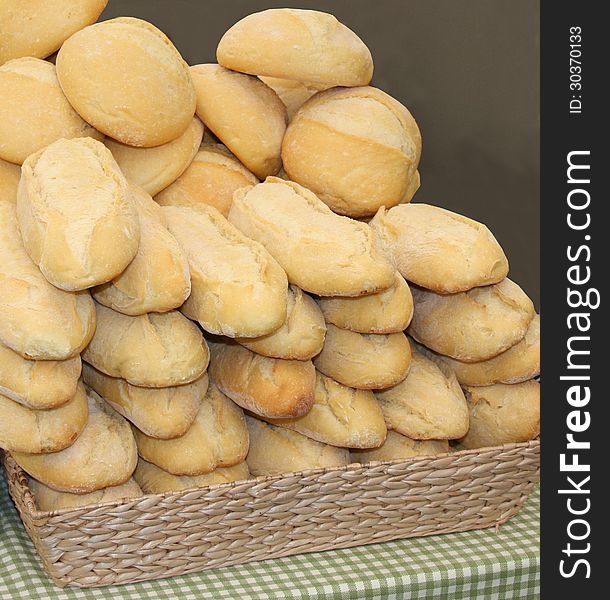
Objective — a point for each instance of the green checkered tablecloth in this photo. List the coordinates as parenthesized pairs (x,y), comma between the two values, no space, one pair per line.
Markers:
(486,564)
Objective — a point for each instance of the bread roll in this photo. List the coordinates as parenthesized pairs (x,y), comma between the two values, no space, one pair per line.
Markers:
(389,311)
(276,450)
(238,289)
(269,387)
(9,180)
(69,319)
(48,499)
(397,446)
(438,249)
(212,178)
(301,336)
(37,384)
(293,93)
(153,169)
(502,414)
(474,325)
(104,455)
(356,148)
(25,430)
(364,361)
(154,480)
(137,90)
(428,404)
(76,214)
(340,416)
(160,413)
(244,113)
(154,350)
(158,278)
(39,27)
(217,438)
(34,111)
(321,252)
(306,45)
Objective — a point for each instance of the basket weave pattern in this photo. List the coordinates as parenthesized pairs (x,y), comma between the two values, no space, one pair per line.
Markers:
(170,534)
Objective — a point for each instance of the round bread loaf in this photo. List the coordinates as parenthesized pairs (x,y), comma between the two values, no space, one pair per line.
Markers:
(397,446)
(9,180)
(34,111)
(438,249)
(153,169)
(212,178)
(104,455)
(34,431)
(364,361)
(293,93)
(472,326)
(76,214)
(244,113)
(306,45)
(356,148)
(137,90)
(154,350)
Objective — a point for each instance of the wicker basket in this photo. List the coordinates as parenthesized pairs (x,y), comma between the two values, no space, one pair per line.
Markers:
(181,532)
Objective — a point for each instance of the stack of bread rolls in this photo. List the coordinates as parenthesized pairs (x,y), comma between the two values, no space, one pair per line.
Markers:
(215,272)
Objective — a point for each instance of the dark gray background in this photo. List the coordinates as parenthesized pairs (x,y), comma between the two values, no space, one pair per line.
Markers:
(469,72)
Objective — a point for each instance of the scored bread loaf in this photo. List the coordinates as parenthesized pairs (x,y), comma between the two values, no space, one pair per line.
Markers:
(301,336)
(472,326)
(23,429)
(275,450)
(217,438)
(293,93)
(69,319)
(76,214)
(154,350)
(158,412)
(400,446)
(438,249)
(362,360)
(9,181)
(269,387)
(320,251)
(238,289)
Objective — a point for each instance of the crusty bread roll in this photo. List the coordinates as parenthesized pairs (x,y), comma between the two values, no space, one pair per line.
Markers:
(76,214)
(39,27)
(238,289)
(306,45)
(269,387)
(154,350)
(153,169)
(301,336)
(37,384)
(356,148)
(137,90)
(389,311)
(69,319)
(25,430)
(212,178)
(244,113)
(217,438)
(293,93)
(48,499)
(158,278)
(275,450)
(364,361)
(428,404)
(502,414)
(438,249)
(104,455)
(154,480)
(340,416)
(472,326)
(400,446)
(34,111)
(9,180)
(321,252)
(162,413)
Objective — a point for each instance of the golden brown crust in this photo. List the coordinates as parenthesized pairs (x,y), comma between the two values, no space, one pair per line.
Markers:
(293,93)
(9,180)
(397,446)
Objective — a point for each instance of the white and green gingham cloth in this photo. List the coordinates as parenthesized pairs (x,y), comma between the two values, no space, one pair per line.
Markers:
(486,564)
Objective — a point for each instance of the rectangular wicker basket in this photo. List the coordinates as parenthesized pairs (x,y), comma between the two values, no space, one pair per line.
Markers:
(159,536)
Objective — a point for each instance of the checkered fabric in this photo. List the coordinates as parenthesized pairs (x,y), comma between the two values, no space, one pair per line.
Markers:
(486,564)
